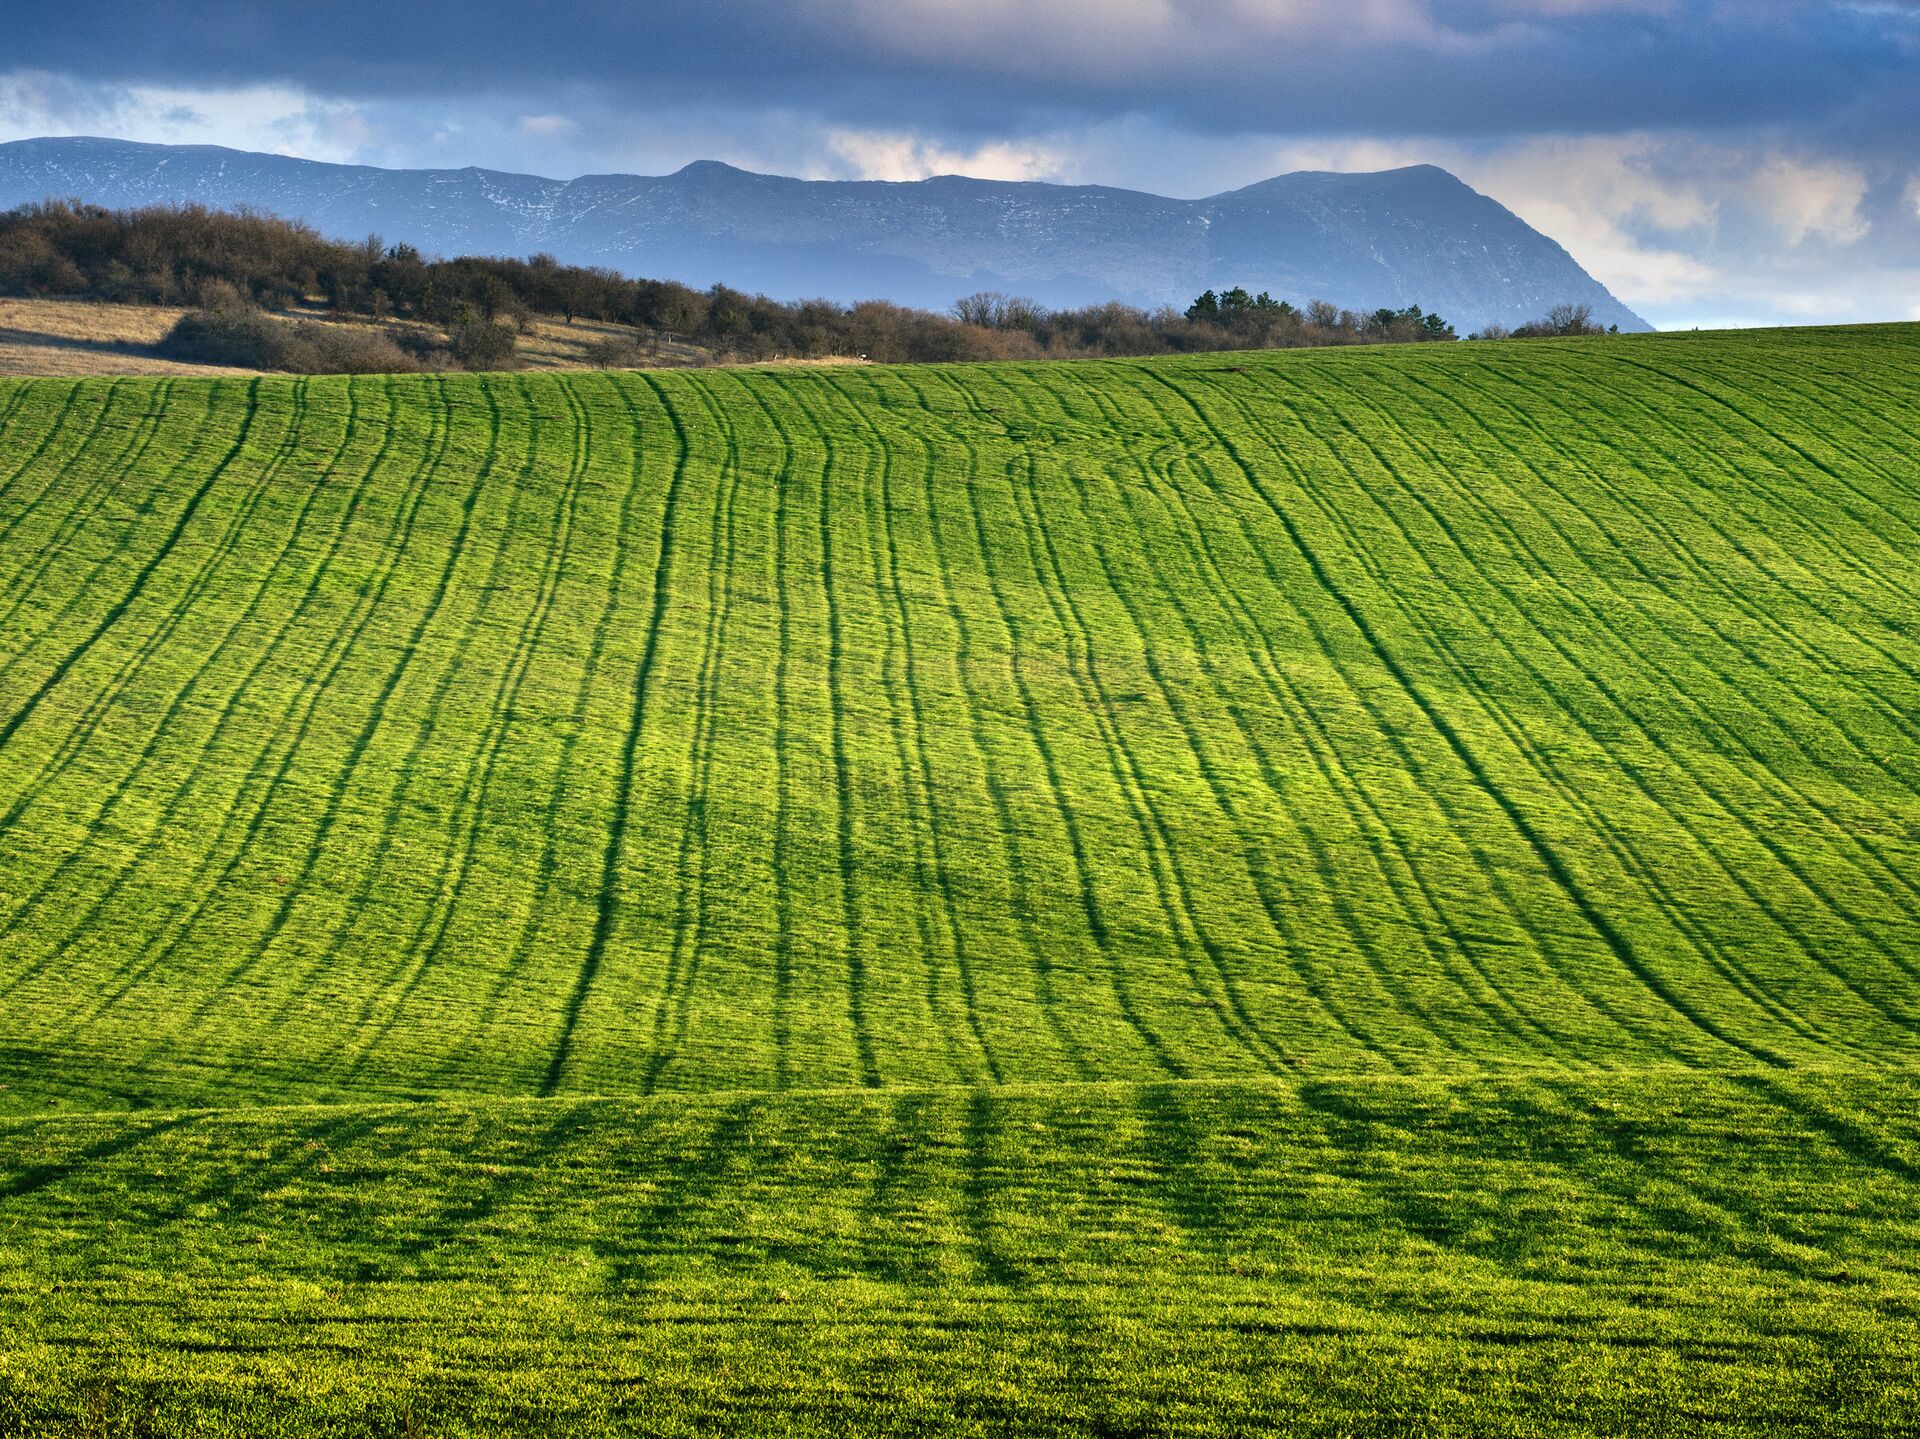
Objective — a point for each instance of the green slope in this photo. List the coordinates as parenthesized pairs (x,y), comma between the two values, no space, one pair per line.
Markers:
(1607,1255)
(1523,730)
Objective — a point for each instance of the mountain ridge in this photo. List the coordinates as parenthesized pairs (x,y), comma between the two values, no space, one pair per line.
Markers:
(1413,235)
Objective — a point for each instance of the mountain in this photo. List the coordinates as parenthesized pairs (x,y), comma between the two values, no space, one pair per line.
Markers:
(1398,237)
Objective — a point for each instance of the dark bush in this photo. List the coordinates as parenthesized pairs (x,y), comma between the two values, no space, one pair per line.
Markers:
(234,334)
(478,344)
(621,353)
(1561,320)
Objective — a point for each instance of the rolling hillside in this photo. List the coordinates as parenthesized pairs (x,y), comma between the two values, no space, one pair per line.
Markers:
(1372,890)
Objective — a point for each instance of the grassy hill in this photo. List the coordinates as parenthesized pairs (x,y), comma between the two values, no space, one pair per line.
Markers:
(1371,890)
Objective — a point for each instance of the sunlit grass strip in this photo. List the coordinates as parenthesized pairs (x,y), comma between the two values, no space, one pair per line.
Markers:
(1534,707)
(1591,1254)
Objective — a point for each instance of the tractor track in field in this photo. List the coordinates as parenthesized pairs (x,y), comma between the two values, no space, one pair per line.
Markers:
(1536,709)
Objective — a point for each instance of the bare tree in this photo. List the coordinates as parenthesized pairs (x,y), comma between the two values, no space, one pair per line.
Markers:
(991,310)
(1570,319)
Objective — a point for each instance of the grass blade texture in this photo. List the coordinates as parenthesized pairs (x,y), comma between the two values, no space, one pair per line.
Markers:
(1371,891)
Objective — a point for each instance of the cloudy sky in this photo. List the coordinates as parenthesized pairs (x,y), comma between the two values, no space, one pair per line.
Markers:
(1713,161)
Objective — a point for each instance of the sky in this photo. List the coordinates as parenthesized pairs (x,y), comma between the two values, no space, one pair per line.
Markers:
(1714,162)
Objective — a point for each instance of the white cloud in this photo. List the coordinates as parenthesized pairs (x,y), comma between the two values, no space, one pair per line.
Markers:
(1597,195)
(884,155)
(34,101)
(1806,199)
(273,118)
(1349,154)
(1618,179)
(1607,200)
(547,126)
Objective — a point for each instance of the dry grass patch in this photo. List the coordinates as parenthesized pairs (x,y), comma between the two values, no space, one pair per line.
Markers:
(89,337)
(85,337)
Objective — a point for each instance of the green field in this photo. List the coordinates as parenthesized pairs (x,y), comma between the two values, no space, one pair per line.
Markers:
(1353,892)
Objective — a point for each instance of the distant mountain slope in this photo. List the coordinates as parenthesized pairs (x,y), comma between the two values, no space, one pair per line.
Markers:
(1398,237)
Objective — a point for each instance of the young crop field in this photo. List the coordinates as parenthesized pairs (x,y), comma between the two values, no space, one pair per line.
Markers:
(1367,891)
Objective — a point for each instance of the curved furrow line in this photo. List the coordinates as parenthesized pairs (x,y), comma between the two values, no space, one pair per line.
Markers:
(907,741)
(21,586)
(932,867)
(1678,552)
(1171,884)
(934,950)
(447,674)
(783,905)
(1158,481)
(614,856)
(1383,842)
(1853,394)
(105,696)
(196,682)
(1730,968)
(1383,839)
(424,946)
(17,391)
(1234,824)
(1681,816)
(30,461)
(1803,594)
(301,873)
(171,810)
(849,859)
(1894,586)
(343,638)
(1617,940)
(448,670)
(1887,401)
(1347,782)
(1910,524)
(673,1013)
(995,785)
(1840,406)
(1764,773)
(1730,809)
(98,488)
(1501,1010)
(784,807)
(904,727)
(1172,895)
(1090,905)
(843,786)
(11,726)
(815,864)
(547,870)
(130,533)
(1815,418)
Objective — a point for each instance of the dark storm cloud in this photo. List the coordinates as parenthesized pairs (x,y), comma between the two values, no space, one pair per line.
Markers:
(1468,67)
(1714,161)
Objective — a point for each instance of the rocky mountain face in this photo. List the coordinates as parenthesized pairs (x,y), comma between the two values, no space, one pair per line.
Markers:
(1398,237)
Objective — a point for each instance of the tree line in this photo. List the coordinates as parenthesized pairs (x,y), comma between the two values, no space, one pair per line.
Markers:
(230,263)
